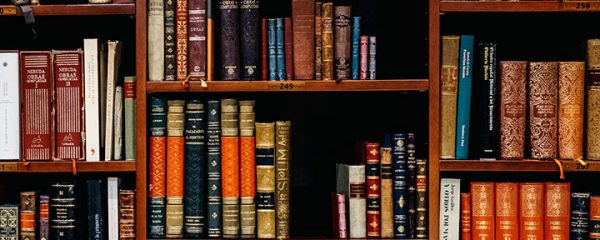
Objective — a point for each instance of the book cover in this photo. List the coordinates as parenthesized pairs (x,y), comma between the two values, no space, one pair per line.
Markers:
(571,82)
(63,208)
(411,184)
(210,38)
(513,95)
(264,48)
(289,48)
(463,109)
(343,42)
(112,77)
(482,210)
(170,41)
(230,40)
(195,169)
(247,169)
(580,216)
(449,208)
(465,216)
(230,167)
(373,190)
(272,42)
(44,219)
(557,211)
(449,90)
(318,40)
(327,39)
(594,217)
(592,147)
(531,211)
(181,36)
(372,57)
(350,181)
(91,85)
(213,131)
(9,221)
(400,185)
(487,79)
(156,42)
(130,119)
(265,180)
(543,100)
(250,38)
(157,167)
(303,15)
(507,211)
(10,146)
(95,210)
(118,124)
(338,210)
(280,48)
(364,58)
(175,168)
(422,199)
(282,169)
(127,214)
(113,184)
(355,47)
(197,34)
(387,198)
(28,215)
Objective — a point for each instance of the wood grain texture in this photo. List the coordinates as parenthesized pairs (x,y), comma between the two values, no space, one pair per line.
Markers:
(506,6)
(82,9)
(141,161)
(524,165)
(434,118)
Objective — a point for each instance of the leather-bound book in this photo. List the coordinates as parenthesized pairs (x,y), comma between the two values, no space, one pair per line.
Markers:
(230,167)
(580,216)
(230,39)
(68,97)
(557,211)
(9,86)
(181,32)
(327,49)
(513,95)
(95,210)
(280,48)
(373,190)
(170,41)
(265,180)
(482,210)
(197,39)
(9,216)
(63,205)
(289,48)
(399,183)
(488,100)
(213,132)
(350,181)
(282,169)
(250,38)
(303,14)
(264,49)
(570,109)
(44,219)
(36,105)
(156,40)
(531,211)
(422,202)
(372,57)
(195,169)
(272,42)
(28,215)
(157,171)
(411,184)
(465,216)
(175,168)
(387,199)
(543,100)
(355,47)
(507,211)
(127,214)
(247,169)
(338,210)
(595,217)
(210,40)
(593,100)
(318,40)
(343,42)
(364,58)
(449,91)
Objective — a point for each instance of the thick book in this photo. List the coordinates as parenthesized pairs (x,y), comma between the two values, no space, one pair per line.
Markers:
(195,169)
(112,76)
(487,82)
(282,170)
(422,199)
(482,210)
(230,39)
(338,211)
(411,184)
(449,90)
(181,36)
(265,180)
(465,216)
(288,38)
(580,216)
(450,208)
(197,31)
(355,47)
(130,119)
(213,145)
(44,219)
(9,222)
(557,210)
(543,100)
(350,181)
(507,211)
(63,205)
(364,58)
(373,190)
(170,41)
(531,211)
(513,96)
(68,95)
(372,57)
(247,170)
(9,106)
(272,39)
(343,44)
(594,217)
(400,185)
(157,167)
(95,210)
(91,75)
(387,198)
(280,48)
(318,40)
(571,84)
(113,184)
(250,39)
(28,216)
(327,41)
(230,167)
(118,124)
(592,147)
(264,64)
(156,41)
(463,109)
(303,15)
(36,105)
(127,214)
(175,168)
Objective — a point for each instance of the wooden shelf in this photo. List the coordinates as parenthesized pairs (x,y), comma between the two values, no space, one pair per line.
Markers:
(72,10)
(67,166)
(290,86)
(523,6)
(526,165)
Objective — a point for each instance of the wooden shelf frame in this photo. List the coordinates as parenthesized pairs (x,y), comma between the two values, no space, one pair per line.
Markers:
(525,165)
(521,6)
(67,166)
(75,9)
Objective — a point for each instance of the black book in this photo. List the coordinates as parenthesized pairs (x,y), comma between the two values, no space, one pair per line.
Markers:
(195,169)
(63,211)
(230,40)
(95,210)
(250,39)
(213,130)
(486,97)
(580,216)
(411,180)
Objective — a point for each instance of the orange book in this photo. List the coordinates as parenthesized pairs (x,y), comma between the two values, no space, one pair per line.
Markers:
(531,211)
(594,217)
(175,166)
(230,167)
(482,210)
(465,216)
(157,166)
(507,211)
(557,221)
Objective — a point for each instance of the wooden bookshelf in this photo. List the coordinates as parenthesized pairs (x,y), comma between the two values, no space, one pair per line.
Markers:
(72,10)
(525,165)
(67,166)
(520,6)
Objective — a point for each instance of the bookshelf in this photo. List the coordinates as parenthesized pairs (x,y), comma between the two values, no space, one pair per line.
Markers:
(524,6)
(72,10)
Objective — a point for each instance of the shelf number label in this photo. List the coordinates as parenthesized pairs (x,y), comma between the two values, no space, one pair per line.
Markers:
(581,6)
(8,10)
(287,86)
(582,167)
(8,167)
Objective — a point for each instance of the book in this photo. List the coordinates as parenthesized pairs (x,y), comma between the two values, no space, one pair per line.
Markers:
(28,215)
(118,124)
(448,100)
(343,44)
(592,147)
(63,207)
(411,184)
(557,210)
(210,36)
(463,109)
(531,211)
(280,48)
(10,146)
(156,42)
(465,216)
(68,95)
(195,169)
(197,34)
(594,217)
(9,219)
(422,202)
(373,189)
(157,167)
(95,210)
(387,199)
(303,15)
(230,41)
(170,40)
(265,180)
(247,170)
(571,81)
(372,57)
(250,38)
(482,210)
(272,39)
(44,220)
(400,198)
(282,170)
(449,208)
(181,36)
(175,168)
(114,59)
(230,167)
(339,215)
(507,210)
(487,79)
(103,53)
(355,47)
(91,68)
(327,41)
(213,134)
(351,183)
(318,40)
(580,216)
(513,95)
(127,214)
(543,100)
(364,58)
(288,47)
(113,184)
(130,117)
(264,49)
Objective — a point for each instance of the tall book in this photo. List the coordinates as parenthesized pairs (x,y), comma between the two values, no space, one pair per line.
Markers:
(195,169)
(543,100)
(36,105)
(118,124)
(282,169)
(175,168)
(592,147)
(28,215)
(265,180)
(250,39)
(463,111)
(507,211)
(9,222)
(594,217)
(351,182)
(482,210)
(280,48)
(272,39)
(113,184)
(213,134)
(197,35)
(318,40)
(129,113)
(63,205)
(400,197)
(580,216)
(170,41)
(487,79)
(355,47)
(44,219)
(95,210)
(364,58)
(230,167)
(9,106)
(210,38)
(181,36)
(411,184)
(157,171)
(247,170)
(327,41)
(68,95)
(449,208)
(557,211)
(343,42)
(373,189)
(156,41)
(338,210)
(422,202)
(372,57)
(449,90)
(127,214)
(465,216)
(531,211)
(303,15)
(571,81)
(288,37)
(230,40)
(264,48)
(91,75)
(513,94)
(387,199)
(114,61)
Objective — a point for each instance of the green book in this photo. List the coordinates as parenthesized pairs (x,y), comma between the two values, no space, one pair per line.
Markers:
(129,85)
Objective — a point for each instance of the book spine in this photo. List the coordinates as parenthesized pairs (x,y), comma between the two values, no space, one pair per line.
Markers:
(531,211)
(197,39)
(111,81)
(247,170)
(36,105)
(355,47)
(210,36)
(289,48)
(449,90)
(580,216)
(543,86)
(112,195)
(488,105)
(482,210)
(264,49)
(571,83)
(507,211)
(127,214)
(411,184)
(250,38)
(465,78)
(69,100)
(272,49)
(422,196)
(513,95)
(387,200)
(373,190)
(9,86)
(44,219)
(230,168)
(465,216)
(327,48)
(557,211)
(62,211)
(156,42)
(181,17)
(343,45)
(593,99)
(357,202)
(130,119)
(318,40)
(282,168)
(339,215)
(265,180)
(195,170)
(175,168)
(280,48)
(9,215)
(157,172)
(213,130)
(364,57)
(27,215)
(372,57)
(449,208)
(303,14)
(594,217)
(95,210)
(92,97)
(118,124)
(400,197)
(230,40)
(170,41)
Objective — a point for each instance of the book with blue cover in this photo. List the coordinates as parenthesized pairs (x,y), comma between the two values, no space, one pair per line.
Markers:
(271,39)
(400,185)
(463,112)
(355,47)
(280,48)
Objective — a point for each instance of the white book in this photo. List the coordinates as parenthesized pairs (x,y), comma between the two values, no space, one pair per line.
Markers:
(156,40)
(118,143)
(348,175)
(114,55)
(9,106)
(113,207)
(92,99)
(449,208)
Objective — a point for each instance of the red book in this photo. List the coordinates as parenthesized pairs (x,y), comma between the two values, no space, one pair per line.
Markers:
(289,49)
(557,217)
(507,211)
(373,190)
(465,216)
(263,41)
(197,39)
(36,105)
(181,16)
(338,207)
(482,210)
(364,57)
(69,100)
(531,211)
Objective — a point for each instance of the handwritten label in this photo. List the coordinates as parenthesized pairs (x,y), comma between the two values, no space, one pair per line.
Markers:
(287,85)
(8,167)
(581,6)
(8,10)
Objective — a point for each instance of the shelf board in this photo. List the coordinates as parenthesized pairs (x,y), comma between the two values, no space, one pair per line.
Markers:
(72,10)
(290,86)
(66,166)
(519,6)
(526,165)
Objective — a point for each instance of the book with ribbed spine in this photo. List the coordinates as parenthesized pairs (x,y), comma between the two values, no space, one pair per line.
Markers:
(175,168)
(373,189)
(95,210)
(465,216)
(265,180)
(247,170)
(364,58)
(9,222)
(372,57)
(571,84)
(44,219)
(449,90)
(272,39)
(355,47)
(507,210)
(280,48)
(400,198)
(463,111)
(411,184)
(328,38)
(482,210)
(318,40)
(557,210)
(303,14)
(513,95)
(129,101)
(10,106)
(63,204)
(387,200)
(170,41)
(449,208)
(580,216)
(422,202)
(195,170)
(230,39)
(531,211)
(157,171)
(213,132)
(181,33)
(250,39)
(594,217)
(230,167)
(282,169)
(343,42)
(288,47)
(28,215)
(68,95)
(592,147)
(156,40)
(350,181)
(127,214)
(488,100)
(197,34)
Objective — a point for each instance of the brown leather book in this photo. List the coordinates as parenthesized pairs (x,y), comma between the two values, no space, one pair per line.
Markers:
(465,216)
(571,77)
(449,84)
(28,215)
(557,214)
(181,16)
(289,48)
(594,217)
(197,39)
(543,100)
(593,100)
(513,96)
(303,14)
(531,211)
(175,168)
(327,53)
(282,169)
(265,180)
(507,211)
(318,40)
(343,42)
(387,199)
(482,210)
(127,214)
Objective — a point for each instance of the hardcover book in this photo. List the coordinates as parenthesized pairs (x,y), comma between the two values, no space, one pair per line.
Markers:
(488,101)
(463,112)
(372,57)
(507,211)
(465,216)
(130,119)
(112,76)
(351,183)
(364,57)
(411,184)
(449,85)
(327,49)
(112,195)
(373,190)
(197,32)
(318,40)
(10,146)
(272,39)
(44,219)
(580,216)
(264,49)
(127,214)
(157,165)
(303,15)
(400,185)
(571,79)
(339,215)
(280,48)
(28,215)
(482,210)
(210,38)
(230,167)
(213,131)
(594,217)
(170,41)
(343,42)
(63,205)
(195,169)
(230,40)
(593,100)
(175,169)
(449,208)
(289,47)
(557,211)
(91,57)
(9,222)
(156,41)
(531,211)
(95,210)
(265,180)
(118,124)
(543,100)
(422,202)
(282,169)
(513,80)
(247,169)
(250,38)
(181,33)
(387,200)
(355,47)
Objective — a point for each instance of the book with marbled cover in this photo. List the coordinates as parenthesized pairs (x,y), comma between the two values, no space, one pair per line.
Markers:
(373,189)
(399,183)
(265,180)
(557,211)
(580,216)
(465,216)
(230,167)
(593,100)
(157,171)
(571,80)
(195,170)
(282,169)
(175,168)
(543,100)
(513,95)
(213,131)
(531,211)
(482,210)
(247,170)
(230,39)
(250,39)
(507,211)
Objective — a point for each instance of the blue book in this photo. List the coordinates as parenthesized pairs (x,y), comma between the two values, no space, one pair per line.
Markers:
(399,183)
(213,130)
(272,49)
(158,128)
(280,47)
(355,48)
(195,169)
(463,111)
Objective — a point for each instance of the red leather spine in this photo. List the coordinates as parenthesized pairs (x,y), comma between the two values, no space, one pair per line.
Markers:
(197,39)
(507,211)
(373,190)
(69,100)
(264,49)
(482,210)
(557,217)
(339,215)
(364,57)
(289,48)
(531,211)
(465,216)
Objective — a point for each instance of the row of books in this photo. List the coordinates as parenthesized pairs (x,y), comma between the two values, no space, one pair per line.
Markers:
(213,171)
(386,195)
(59,105)
(550,95)
(110,213)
